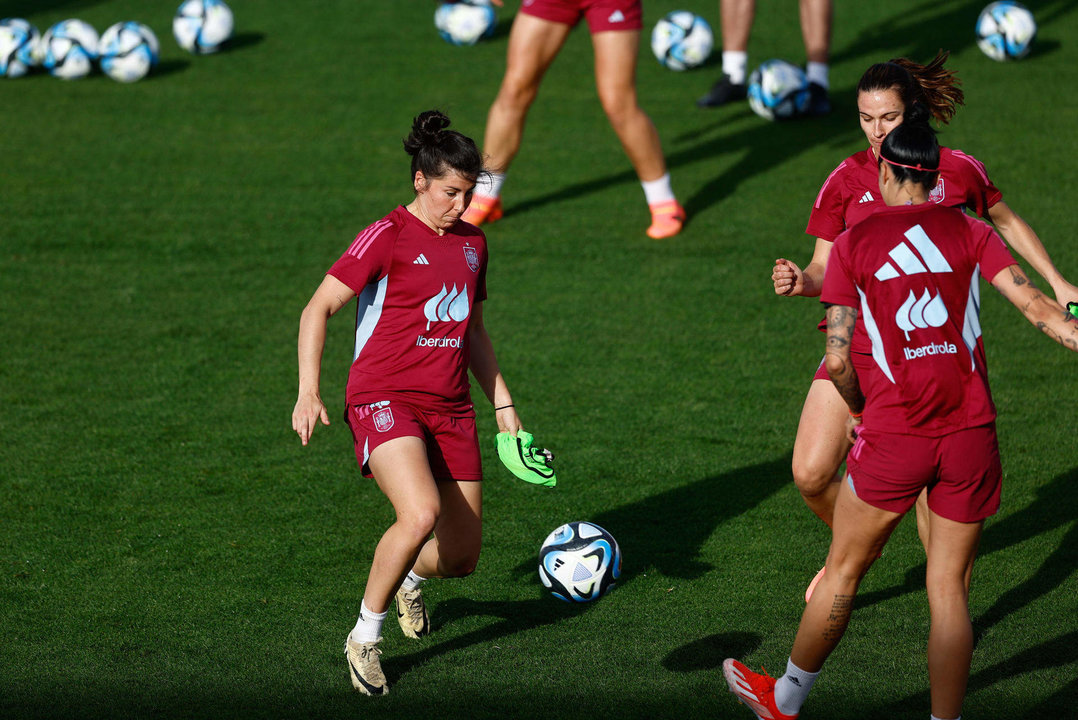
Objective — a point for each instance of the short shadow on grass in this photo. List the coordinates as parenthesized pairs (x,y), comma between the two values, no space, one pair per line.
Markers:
(21,8)
(168,67)
(1057,652)
(708,653)
(242,41)
(644,534)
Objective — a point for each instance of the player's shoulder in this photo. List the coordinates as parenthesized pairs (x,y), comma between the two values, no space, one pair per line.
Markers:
(961,161)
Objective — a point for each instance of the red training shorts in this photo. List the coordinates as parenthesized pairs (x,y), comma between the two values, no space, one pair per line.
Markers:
(452,442)
(961,471)
(601,15)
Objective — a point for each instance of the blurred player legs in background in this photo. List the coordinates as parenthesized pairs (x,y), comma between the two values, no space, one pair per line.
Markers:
(737,17)
(538,34)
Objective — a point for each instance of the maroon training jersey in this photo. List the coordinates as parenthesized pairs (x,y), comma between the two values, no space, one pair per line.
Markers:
(852,191)
(912,271)
(415,293)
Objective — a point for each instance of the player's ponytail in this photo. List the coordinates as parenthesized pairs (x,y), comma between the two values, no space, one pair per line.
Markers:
(436,151)
(932,85)
(912,151)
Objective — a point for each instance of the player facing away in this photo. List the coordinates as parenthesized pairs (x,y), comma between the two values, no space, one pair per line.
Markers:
(886,93)
(420,278)
(737,17)
(538,33)
(923,420)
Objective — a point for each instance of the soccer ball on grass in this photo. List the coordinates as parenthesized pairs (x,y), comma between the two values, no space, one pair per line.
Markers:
(69,49)
(778,90)
(682,40)
(465,22)
(18,47)
(128,51)
(202,26)
(579,562)
(1006,30)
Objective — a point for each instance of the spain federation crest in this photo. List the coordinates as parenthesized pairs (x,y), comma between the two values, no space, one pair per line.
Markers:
(471,256)
(383,419)
(938,193)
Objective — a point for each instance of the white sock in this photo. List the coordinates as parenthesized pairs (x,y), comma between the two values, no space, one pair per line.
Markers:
(412,581)
(936,718)
(817,73)
(489,184)
(735,64)
(792,688)
(657,191)
(369,626)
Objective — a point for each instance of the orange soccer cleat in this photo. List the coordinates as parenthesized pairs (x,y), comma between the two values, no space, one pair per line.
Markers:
(755,690)
(667,219)
(483,209)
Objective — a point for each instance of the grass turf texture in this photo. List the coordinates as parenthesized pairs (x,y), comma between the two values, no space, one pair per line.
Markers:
(168,550)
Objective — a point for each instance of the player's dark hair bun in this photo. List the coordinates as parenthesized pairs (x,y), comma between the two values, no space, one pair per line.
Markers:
(918,114)
(436,150)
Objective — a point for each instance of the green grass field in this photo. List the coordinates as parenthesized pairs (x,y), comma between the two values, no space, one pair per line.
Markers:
(167,548)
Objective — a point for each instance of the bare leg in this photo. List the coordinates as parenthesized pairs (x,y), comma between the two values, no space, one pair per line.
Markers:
(820,448)
(737,17)
(952,548)
(615,79)
(815,29)
(860,532)
(924,531)
(533,45)
(402,471)
(454,549)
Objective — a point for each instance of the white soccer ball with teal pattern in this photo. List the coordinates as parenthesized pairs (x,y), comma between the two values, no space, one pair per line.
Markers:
(18,47)
(69,49)
(579,562)
(465,22)
(682,40)
(1006,30)
(128,51)
(202,26)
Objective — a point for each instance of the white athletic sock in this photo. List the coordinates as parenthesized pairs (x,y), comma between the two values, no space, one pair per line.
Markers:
(369,626)
(936,718)
(657,191)
(792,688)
(489,184)
(817,73)
(412,581)
(735,64)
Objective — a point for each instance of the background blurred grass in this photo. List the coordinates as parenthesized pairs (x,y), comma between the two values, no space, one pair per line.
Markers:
(167,548)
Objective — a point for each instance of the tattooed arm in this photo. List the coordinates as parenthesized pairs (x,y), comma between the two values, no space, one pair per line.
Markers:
(840,322)
(1045,314)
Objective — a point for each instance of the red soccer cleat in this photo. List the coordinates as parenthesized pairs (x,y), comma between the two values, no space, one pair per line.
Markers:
(667,219)
(754,690)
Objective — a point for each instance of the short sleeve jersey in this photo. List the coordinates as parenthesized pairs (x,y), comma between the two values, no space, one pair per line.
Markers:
(913,272)
(415,293)
(852,191)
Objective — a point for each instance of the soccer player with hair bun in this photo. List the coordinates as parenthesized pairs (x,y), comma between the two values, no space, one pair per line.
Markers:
(924,423)
(888,94)
(419,275)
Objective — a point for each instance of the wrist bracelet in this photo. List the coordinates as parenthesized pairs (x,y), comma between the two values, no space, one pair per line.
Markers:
(503,407)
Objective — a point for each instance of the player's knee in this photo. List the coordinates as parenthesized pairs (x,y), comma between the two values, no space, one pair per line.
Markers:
(516,95)
(461,565)
(812,477)
(419,522)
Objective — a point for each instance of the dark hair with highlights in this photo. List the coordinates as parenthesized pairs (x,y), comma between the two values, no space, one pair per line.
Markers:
(437,151)
(913,143)
(932,86)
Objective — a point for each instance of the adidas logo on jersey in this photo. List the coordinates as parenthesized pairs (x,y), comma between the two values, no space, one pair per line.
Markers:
(421,260)
(908,262)
(867,197)
(616,17)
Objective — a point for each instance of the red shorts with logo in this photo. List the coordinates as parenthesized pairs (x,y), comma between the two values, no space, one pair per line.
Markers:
(601,15)
(961,471)
(452,441)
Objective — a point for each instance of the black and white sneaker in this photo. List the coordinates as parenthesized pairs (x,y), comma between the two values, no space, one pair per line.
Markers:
(722,92)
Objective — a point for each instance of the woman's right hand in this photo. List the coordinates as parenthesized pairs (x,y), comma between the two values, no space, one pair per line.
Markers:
(308,411)
(787,277)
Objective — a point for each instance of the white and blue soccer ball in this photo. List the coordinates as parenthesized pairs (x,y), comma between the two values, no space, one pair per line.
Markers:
(202,26)
(69,48)
(778,90)
(465,22)
(18,47)
(1006,30)
(128,51)
(579,562)
(682,40)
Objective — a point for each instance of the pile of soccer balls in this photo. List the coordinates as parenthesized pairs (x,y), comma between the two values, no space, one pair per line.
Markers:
(126,51)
